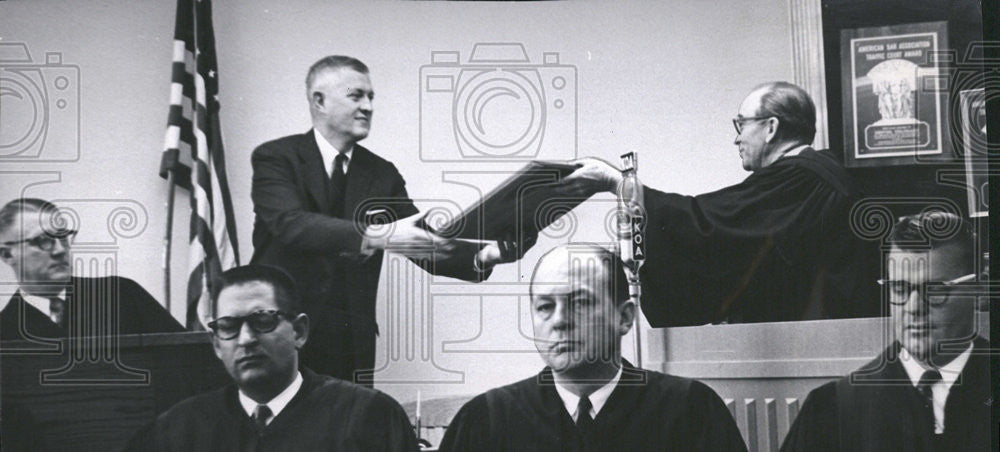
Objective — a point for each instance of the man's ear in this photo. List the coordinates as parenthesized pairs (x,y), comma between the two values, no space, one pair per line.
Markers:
(772,128)
(216,346)
(6,255)
(301,327)
(626,317)
(316,100)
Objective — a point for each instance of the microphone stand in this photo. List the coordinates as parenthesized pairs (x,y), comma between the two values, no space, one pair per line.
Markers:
(631,239)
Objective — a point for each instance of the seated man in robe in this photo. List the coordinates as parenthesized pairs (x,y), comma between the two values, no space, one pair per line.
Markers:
(49,301)
(588,398)
(930,389)
(273,405)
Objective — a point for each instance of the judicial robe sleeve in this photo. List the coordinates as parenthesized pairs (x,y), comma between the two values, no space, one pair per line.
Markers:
(759,240)
(469,429)
(816,427)
(394,432)
(139,312)
(710,426)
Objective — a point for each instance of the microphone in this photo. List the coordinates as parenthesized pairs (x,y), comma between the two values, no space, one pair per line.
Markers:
(632,237)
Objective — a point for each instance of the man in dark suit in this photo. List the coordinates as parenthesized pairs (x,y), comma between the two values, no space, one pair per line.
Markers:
(50,302)
(588,398)
(776,247)
(326,209)
(930,389)
(274,404)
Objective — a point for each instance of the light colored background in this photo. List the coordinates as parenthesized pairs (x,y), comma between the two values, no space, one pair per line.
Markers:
(659,78)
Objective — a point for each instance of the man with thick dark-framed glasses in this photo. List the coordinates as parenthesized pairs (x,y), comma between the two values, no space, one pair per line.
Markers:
(930,389)
(49,300)
(777,246)
(274,404)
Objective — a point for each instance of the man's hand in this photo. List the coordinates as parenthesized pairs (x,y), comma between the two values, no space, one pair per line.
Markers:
(407,238)
(593,176)
(502,252)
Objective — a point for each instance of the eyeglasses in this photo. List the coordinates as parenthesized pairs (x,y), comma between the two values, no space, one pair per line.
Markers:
(46,241)
(938,292)
(260,322)
(738,122)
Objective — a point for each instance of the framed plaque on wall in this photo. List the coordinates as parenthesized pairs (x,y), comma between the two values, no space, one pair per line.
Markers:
(973,105)
(894,92)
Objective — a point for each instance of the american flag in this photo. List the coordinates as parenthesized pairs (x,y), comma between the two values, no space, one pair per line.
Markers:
(193,125)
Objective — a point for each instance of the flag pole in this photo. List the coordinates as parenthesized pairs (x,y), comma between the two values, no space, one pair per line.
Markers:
(168,165)
(168,239)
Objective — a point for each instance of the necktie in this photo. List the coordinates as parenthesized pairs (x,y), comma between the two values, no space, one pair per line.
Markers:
(338,183)
(927,380)
(57,311)
(583,420)
(261,415)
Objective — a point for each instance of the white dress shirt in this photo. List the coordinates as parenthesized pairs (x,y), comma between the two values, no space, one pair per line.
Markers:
(328,152)
(278,403)
(41,303)
(597,398)
(795,151)
(949,373)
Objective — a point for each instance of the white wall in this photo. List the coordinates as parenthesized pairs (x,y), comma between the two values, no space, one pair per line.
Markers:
(659,78)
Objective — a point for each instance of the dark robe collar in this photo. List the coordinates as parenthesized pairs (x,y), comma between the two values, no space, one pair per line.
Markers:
(626,393)
(310,381)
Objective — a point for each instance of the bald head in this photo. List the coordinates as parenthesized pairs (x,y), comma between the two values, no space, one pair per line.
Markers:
(792,106)
(773,119)
(584,260)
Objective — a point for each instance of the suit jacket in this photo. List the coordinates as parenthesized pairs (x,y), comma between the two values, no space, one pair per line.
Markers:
(138,311)
(882,411)
(646,411)
(325,414)
(296,229)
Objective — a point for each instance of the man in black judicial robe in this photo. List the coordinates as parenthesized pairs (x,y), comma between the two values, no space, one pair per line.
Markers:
(49,300)
(274,404)
(930,389)
(588,398)
(776,247)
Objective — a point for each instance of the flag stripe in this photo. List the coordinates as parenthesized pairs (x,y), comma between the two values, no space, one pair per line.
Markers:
(193,124)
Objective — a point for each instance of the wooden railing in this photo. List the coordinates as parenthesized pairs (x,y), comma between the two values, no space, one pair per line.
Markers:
(80,401)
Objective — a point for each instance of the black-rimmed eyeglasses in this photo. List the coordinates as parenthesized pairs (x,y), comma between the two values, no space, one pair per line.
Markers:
(260,322)
(738,122)
(936,292)
(46,241)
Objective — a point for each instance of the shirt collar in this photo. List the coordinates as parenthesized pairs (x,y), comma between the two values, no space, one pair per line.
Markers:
(328,152)
(597,398)
(40,303)
(949,372)
(794,151)
(278,403)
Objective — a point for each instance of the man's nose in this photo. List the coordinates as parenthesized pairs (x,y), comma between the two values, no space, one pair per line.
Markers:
(59,246)
(916,301)
(247,335)
(366,103)
(561,316)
